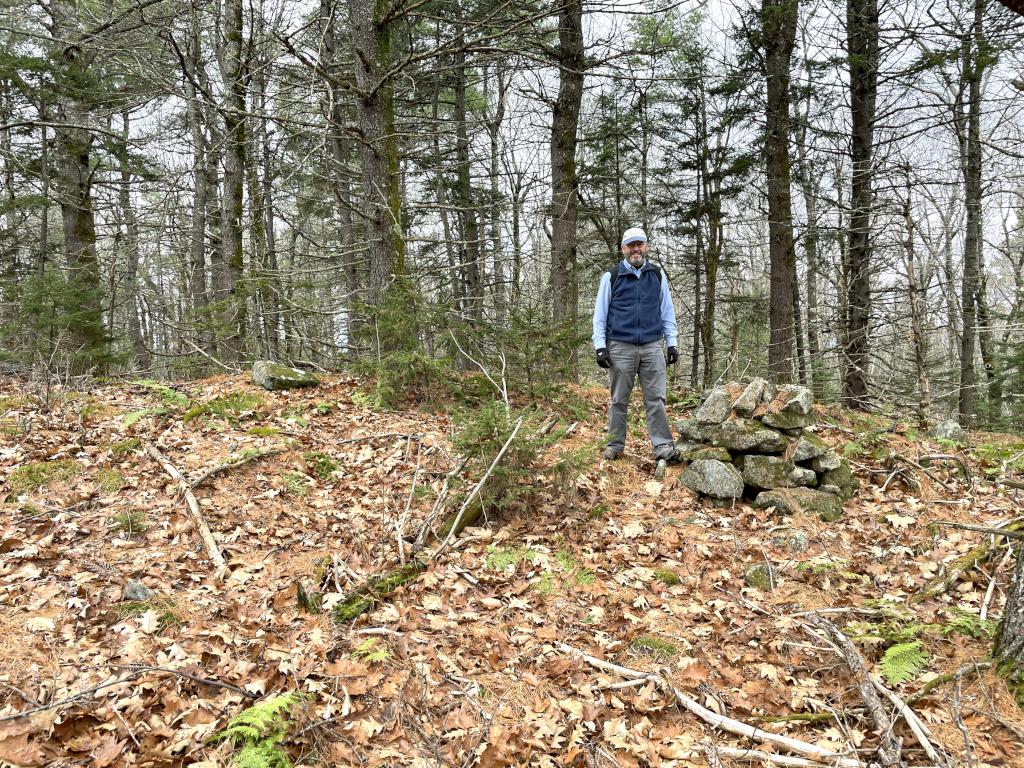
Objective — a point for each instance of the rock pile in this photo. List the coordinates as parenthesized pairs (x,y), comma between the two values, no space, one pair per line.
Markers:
(751,440)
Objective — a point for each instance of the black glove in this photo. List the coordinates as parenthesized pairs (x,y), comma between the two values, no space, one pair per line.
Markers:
(602,358)
(673,355)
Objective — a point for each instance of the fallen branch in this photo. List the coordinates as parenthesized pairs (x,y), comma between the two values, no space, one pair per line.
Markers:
(193,506)
(960,566)
(232,465)
(889,745)
(918,728)
(1007,532)
(721,722)
(935,682)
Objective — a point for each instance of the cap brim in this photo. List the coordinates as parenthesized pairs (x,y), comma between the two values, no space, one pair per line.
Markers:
(634,240)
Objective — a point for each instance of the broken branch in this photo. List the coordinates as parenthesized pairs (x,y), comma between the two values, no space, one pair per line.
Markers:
(193,506)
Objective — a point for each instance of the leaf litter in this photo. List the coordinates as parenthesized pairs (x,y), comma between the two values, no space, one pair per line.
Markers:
(464,667)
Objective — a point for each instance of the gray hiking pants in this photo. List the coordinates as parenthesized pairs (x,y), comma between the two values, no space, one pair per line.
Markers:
(647,360)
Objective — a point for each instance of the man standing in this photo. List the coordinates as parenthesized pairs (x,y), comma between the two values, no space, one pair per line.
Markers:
(632,314)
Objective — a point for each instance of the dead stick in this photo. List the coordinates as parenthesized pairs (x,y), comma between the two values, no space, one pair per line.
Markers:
(193,506)
(889,746)
(716,720)
(1008,533)
(919,729)
(231,465)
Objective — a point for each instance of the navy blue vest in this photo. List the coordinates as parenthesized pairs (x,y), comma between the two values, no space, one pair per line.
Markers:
(634,308)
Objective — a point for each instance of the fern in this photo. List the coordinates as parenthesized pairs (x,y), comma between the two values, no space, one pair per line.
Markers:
(257,731)
(968,624)
(370,653)
(903,661)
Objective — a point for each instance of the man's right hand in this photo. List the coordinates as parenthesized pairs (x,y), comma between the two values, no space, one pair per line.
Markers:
(603,359)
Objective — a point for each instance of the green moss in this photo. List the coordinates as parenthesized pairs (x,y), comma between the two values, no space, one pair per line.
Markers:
(546,584)
(296,483)
(230,407)
(500,559)
(32,477)
(654,646)
(11,403)
(264,431)
(323,409)
(320,464)
(376,589)
(127,447)
(132,522)
(667,577)
(598,512)
(166,395)
(167,618)
(110,480)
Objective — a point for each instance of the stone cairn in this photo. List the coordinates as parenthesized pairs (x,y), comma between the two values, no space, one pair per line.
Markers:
(749,440)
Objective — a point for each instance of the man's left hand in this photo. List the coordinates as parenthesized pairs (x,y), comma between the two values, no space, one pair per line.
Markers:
(673,355)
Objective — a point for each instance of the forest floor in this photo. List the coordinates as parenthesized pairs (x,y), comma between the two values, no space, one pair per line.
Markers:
(475,661)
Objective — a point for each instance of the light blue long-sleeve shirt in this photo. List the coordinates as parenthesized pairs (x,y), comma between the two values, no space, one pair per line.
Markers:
(668,312)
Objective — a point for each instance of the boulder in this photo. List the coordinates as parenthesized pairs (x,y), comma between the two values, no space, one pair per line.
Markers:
(750,398)
(715,408)
(692,432)
(275,377)
(136,591)
(949,430)
(835,490)
(713,478)
(794,501)
(765,472)
(702,453)
(792,539)
(787,420)
(803,477)
(747,435)
(826,461)
(808,447)
(842,477)
(796,399)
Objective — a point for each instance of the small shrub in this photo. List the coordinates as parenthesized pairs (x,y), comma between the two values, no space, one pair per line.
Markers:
(32,477)
(110,480)
(127,447)
(258,731)
(320,464)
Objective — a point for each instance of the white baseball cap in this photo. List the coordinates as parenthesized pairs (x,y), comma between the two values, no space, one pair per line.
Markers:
(634,235)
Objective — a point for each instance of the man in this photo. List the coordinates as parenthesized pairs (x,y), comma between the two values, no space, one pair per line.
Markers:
(632,314)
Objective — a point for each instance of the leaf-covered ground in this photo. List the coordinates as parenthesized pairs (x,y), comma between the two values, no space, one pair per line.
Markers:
(466,665)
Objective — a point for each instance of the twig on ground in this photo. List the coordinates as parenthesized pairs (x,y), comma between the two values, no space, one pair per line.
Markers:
(935,682)
(193,506)
(926,471)
(918,728)
(954,710)
(379,436)
(889,745)
(714,719)
(453,531)
(990,591)
(1008,533)
(442,498)
(404,519)
(711,754)
(232,465)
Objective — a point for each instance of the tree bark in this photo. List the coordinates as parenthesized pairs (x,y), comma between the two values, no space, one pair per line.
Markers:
(230,293)
(862,52)
(973,69)
(378,150)
(466,208)
(564,182)
(131,250)
(779,35)
(1008,651)
(917,336)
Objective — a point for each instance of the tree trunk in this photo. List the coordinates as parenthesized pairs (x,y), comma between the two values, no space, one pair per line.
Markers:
(378,149)
(131,250)
(917,336)
(230,292)
(500,290)
(466,209)
(779,34)
(973,68)
(72,115)
(862,42)
(1008,651)
(564,182)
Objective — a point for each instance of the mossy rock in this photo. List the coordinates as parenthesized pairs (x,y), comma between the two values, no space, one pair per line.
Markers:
(808,447)
(787,420)
(795,501)
(766,471)
(700,454)
(275,377)
(843,478)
